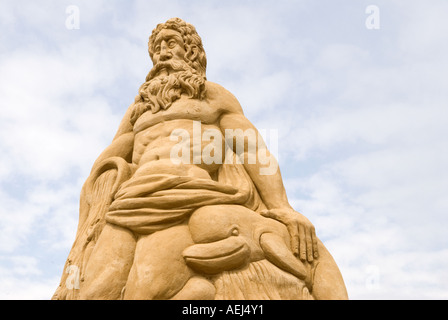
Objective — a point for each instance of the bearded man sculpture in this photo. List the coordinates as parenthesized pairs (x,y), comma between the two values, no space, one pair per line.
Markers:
(156,226)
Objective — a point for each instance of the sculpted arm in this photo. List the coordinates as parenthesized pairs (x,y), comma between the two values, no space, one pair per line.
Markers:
(266,176)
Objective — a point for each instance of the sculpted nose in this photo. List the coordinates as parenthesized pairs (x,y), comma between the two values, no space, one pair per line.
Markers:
(165,53)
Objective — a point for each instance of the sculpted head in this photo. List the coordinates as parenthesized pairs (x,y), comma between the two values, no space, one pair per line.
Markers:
(179,64)
(187,38)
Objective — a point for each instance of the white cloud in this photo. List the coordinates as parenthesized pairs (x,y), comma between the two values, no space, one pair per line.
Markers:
(21,279)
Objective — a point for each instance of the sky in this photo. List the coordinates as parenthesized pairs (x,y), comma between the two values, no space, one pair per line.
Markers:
(356,94)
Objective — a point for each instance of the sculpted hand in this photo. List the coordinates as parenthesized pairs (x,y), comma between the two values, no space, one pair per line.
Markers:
(301,230)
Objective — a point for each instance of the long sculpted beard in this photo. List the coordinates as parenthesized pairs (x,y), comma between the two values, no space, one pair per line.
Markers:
(160,89)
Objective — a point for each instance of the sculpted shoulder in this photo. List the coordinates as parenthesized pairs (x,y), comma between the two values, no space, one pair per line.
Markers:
(222,98)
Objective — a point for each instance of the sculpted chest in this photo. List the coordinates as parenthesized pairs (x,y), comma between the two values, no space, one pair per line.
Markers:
(183,109)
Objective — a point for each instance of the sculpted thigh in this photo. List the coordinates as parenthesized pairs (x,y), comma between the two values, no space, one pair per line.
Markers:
(159,270)
(109,264)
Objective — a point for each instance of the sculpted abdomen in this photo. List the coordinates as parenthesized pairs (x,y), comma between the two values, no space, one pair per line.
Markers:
(185,142)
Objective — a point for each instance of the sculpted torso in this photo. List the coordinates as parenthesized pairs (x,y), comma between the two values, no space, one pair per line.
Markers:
(153,142)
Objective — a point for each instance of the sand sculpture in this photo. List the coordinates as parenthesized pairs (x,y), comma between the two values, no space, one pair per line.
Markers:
(180,205)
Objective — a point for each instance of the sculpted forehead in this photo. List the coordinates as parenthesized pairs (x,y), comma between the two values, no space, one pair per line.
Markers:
(165,34)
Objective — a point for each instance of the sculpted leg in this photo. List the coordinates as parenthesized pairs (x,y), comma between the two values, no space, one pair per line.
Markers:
(197,288)
(328,282)
(109,264)
(159,270)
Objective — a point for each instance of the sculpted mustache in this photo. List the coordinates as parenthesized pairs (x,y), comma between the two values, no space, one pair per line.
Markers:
(173,65)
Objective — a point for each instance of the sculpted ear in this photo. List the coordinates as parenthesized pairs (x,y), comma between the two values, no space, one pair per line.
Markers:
(193,53)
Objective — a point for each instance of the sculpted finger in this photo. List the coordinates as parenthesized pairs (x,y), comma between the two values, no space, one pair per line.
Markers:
(266,213)
(294,234)
(273,214)
(314,239)
(302,243)
(309,245)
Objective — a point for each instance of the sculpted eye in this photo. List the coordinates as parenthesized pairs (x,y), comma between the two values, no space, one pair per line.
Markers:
(172,44)
(157,49)
(235,232)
